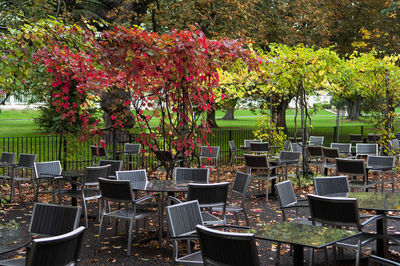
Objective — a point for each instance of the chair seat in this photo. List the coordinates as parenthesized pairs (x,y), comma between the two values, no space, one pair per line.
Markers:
(127,213)
(13,262)
(193,258)
(352,242)
(360,184)
(210,219)
(89,194)
(229,208)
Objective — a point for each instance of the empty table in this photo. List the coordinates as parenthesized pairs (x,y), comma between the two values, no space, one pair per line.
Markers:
(12,239)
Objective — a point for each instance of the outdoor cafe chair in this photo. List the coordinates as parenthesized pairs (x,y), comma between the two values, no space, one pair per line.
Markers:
(356,138)
(344,148)
(315,158)
(227,248)
(209,157)
(316,140)
(248,141)
(355,168)
(394,148)
(373,138)
(116,165)
(234,152)
(22,170)
(120,191)
(7,159)
(330,185)
(183,175)
(89,187)
(290,158)
(48,172)
(99,152)
(133,150)
(239,189)
(366,149)
(329,156)
(342,212)
(387,166)
(259,147)
(296,147)
(57,250)
(264,172)
(165,160)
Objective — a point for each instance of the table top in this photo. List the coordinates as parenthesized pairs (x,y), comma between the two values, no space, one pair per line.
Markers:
(374,201)
(66,174)
(160,186)
(302,234)
(11,239)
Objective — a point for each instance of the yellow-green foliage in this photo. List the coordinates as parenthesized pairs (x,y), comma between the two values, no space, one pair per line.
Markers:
(267,131)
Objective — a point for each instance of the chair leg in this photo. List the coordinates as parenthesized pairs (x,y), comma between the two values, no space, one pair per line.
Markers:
(130,237)
(236,218)
(245,217)
(267,191)
(278,254)
(326,256)
(12,190)
(311,253)
(358,253)
(86,212)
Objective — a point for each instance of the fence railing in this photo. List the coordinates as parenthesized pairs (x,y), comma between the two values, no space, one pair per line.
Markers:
(75,155)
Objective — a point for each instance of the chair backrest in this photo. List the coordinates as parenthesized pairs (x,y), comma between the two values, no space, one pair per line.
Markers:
(287,146)
(187,175)
(342,147)
(241,184)
(116,165)
(138,178)
(381,161)
(331,184)
(163,156)
(356,138)
(247,142)
(256,161)
(351,167)
(226,248)
(286,195)
(211,152)
(98,151)
(314,151)
(296,147)
(292,156)
(334,211)
(330,153)
(259,147)
(116,190)
(56,250)
(93,173)
(316,140)
(379,261)
(232,145)
(43,168)
(373,137)
(53,220)
(132,148)
(26,160)
(183,218)
(7,157)
(394,144)
(367,149)
(210,195)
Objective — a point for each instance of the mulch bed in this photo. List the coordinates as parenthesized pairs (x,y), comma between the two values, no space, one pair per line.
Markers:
(111,249)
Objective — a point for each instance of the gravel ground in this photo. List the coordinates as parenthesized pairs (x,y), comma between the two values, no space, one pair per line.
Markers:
(112,248)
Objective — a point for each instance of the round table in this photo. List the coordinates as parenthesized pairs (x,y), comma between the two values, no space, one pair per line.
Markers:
(12,239)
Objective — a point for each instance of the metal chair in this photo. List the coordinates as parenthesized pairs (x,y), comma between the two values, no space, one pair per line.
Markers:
(341,212)
(247,142)
(53,220)
(116,165)
(210,196)
(57,250)
(344,148)
(363,149)
(291,158)
(88,187)
(234,152)
(373,138)
(209,154)
(331,185)
(184,175)
(354,168)
(379,261)
(329,156)
(222,248)
(356,138)
(386,163)
(98,152)
(166,161)
(239,189)
(259,147)
(7,160)
(182,220)
(24,165)
(394,148)
(287,146)
(138,178)
(132,150)
(295,147)
(47,172)
(314,140)
(260,163)
(120,191)
(315,157)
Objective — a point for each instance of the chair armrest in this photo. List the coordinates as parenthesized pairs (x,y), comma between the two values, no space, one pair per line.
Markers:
(148,197)
(230,227)
(173,199)
(371,219)
(184,237)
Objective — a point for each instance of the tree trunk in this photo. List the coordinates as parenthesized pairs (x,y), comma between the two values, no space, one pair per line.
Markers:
(211,119)
(353,109)
(278,112)
(230,109)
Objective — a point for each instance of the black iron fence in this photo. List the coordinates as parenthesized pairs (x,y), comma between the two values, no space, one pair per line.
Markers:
(76,155)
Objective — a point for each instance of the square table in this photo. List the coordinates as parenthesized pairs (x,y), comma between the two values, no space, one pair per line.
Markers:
(302,235)
(381,203)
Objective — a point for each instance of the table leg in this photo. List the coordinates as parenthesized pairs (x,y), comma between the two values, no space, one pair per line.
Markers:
(74,201)
(298,255)
(161,219)
(382,241)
